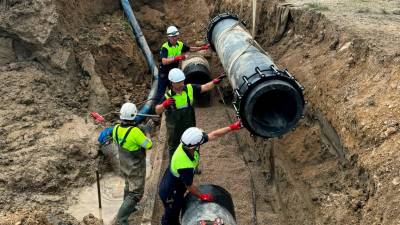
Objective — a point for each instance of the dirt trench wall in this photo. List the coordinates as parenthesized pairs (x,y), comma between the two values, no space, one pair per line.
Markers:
(327,171)
(61,59)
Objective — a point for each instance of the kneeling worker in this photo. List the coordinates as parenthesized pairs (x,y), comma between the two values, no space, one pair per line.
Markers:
(179,175)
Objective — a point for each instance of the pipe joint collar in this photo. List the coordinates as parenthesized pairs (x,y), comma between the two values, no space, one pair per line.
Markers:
(214,21)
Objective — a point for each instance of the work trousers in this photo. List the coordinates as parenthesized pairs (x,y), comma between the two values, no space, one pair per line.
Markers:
(172,197)
(163,83)
(177,121)
(133,169)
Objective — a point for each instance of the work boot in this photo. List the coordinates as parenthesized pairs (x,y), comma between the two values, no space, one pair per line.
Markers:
(127,208)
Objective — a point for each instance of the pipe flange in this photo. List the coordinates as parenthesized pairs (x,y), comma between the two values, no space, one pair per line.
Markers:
(214,21)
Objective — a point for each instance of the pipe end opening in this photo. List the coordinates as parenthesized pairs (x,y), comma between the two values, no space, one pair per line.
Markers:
(273,108)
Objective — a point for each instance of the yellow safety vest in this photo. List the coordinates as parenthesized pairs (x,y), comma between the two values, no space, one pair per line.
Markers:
(173,50)
(180,160)
(184,99)
(130,138)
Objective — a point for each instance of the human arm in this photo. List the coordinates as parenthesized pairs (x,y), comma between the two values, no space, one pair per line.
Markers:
(210,85)
(165,60)
(202,196)
(141,139)
(195,48)
(194,190)
(165,104)
(222,131)
(186,175)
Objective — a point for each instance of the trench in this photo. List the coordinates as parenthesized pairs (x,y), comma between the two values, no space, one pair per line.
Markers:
(308,176)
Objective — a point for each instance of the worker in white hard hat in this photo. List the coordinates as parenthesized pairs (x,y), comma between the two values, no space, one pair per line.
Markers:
(178,177)
(132,145)
(178,106)
(171,53)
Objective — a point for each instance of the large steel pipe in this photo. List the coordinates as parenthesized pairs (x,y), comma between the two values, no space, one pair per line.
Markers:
(269,101)
(220,211)
(197,71)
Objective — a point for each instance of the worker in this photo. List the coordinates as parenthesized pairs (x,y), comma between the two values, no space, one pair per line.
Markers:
(171,53)
(178,177)
(178,106)
(132,145)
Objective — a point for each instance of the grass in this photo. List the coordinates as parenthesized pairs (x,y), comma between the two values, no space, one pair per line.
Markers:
(317,6)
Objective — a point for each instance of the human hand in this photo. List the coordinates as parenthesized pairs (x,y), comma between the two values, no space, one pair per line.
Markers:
(168,102)
(179,58)
(206,197)
(219,79)
(236,126)
(205,47)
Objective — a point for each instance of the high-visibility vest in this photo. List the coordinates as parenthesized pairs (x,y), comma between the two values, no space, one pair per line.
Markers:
(184,99)
(173,50)
(130,138)
(180,160)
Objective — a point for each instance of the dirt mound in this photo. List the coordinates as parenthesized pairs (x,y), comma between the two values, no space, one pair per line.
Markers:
(49,144)
(40,217)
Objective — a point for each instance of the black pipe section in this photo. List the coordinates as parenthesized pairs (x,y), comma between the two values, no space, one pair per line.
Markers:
(269,101)
(197,71)
(220,209)
(148,107)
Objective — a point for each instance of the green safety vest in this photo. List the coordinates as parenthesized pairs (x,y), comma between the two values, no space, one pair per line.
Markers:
(184,99)
(173,50)
(130,138)
(182,161)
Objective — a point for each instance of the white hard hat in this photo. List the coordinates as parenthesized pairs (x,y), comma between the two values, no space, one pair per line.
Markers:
(128,111)
(176,75)
(172,31)
(192,136)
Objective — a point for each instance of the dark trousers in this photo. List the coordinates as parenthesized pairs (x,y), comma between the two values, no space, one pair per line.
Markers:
(172,197)
(177,122)
(163,83)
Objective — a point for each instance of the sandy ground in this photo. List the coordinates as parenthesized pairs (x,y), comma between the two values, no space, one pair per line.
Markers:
(376,21)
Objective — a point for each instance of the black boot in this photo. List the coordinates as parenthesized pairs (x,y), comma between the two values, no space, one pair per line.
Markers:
(127,208)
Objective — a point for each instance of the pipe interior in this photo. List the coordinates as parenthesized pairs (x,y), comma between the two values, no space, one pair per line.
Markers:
(275,110)
(196,74)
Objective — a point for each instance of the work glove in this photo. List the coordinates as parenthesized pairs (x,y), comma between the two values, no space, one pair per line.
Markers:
(236,126)
(179,58)
(168,102)
(206,197)
(219,79)
(205,47)
(97,117)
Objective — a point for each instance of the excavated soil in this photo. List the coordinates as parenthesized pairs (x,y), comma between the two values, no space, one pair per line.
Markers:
(60,59)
